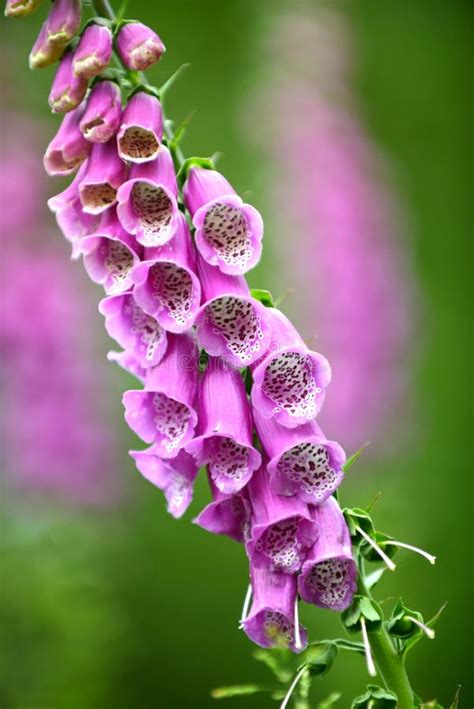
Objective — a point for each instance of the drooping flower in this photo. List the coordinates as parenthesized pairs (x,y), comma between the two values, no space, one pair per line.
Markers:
(141,129)
(101,118)
(228,232)
(67,90)
(21,8)
(164,411)
(110,255)
(44,53)
(328,576)
(166,285)
(104,174)
(139,46)
(282,531)
(64,21)
(94,51)
(147,201)
(174,476)
(230,323)
(302,461)
(226,514)
(271,621)
(142,338)
(223,439)
(290,382)
(68,149)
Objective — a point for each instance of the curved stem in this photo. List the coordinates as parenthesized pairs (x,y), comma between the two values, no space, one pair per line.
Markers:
(392,668)
(104,9)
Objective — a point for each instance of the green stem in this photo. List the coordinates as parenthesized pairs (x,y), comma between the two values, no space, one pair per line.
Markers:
(392,667)
(104,9)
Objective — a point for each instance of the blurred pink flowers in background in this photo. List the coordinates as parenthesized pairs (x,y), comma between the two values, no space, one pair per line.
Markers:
(56,435)
(336,226)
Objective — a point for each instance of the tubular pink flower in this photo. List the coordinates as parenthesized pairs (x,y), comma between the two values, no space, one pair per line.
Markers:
(271,621)
(101,118)
(226,514)
(328,576)
(147,202)
(64,21)
(21,8)
(68,149)
(43,53)
(228,232)
(230,323)
(104,174)
(282,530)
(163,413)
(302,461)
(138,46)
(290,382)
(110,255)
(141,129)
(166,285)
(224,436)
(174,476)
(138,333)
(67,90)
(94,51)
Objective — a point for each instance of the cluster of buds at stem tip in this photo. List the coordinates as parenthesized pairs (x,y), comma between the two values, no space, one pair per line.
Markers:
(223,381)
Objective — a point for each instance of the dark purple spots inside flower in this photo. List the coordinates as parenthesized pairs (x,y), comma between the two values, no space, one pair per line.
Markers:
(118,260)
(290,383)
(330,581)
(278,629)
(172,286)
(149,333)
(279,543)
(308,465)
(237,322)
(154,211)
(227,459)
(97,197)
(171,419)
(137,143)
(227,230)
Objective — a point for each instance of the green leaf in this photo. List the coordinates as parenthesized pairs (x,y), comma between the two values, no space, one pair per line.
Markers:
(367,608)
(205,163)
(374,577)
(263,296)
(352,459)
(402,625)
(319,657)
(164,88)
(330,701)
(239,690)
(279,661)
(375,698)
(180,131)
(350,645)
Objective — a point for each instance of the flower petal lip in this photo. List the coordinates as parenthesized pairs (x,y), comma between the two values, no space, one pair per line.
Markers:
(302,461)
(110,255)
(282,529)
(147,201)
(44,53)
(142,338)
(224,435)
(289,382)
(93,52)
(166,285)
(67,90)
(68,149)
(230,323)
(228,515)
(164,412)
(174,476)
(270,622)
(328,576)
(139,46)
(127,361)
(104,174)
(141,130)
(101,118)
(21,8)
(203,186)
(64,21)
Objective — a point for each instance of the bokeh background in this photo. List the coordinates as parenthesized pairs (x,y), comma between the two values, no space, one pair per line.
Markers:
(349,125)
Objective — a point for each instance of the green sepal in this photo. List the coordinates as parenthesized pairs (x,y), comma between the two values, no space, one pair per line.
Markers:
(138,86)
(263,296)
(164,88)
(239,690)
(399,626)
(279,661)
(367,608)
(350,645)
(357,517)
(379,538)
(203,361)
(375,698)
(352,459)
(318,657)
(374,577)
(102,21)
(177,135)
(206,163)
(111,74)
(248,380)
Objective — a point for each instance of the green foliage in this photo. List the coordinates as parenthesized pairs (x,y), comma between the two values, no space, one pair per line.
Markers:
(375,698)
(239,690)
(362,607)
(319,657)
(263,296)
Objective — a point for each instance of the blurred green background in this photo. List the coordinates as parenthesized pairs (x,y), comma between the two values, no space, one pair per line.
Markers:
(126,608)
